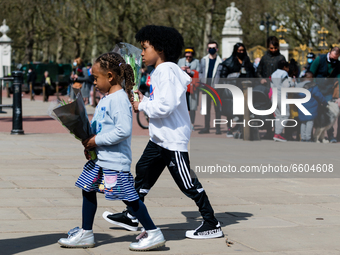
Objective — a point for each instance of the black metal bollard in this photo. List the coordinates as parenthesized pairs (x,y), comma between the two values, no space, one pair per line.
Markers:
(1,111)
(17,103)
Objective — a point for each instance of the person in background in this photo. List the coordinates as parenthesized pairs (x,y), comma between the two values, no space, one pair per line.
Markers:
(256,63)
(79,76)
(310,59)
(293,110)
(327,66)
(268,65)
(192,67)
(280,79)
(85,89)
(31,78)
(307,121)
(47,84)
(269,62)
(208,71)
(238,65)
(90,82)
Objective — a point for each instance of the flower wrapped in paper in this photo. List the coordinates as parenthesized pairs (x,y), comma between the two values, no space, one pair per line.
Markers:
(132,56)
(73,116)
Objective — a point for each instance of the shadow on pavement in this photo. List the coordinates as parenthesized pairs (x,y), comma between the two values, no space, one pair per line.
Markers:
(173,231)
(176,231)
(17,245)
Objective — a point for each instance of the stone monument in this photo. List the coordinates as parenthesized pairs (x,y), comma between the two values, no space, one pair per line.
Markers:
(5,51)
(284,46)
(232,32)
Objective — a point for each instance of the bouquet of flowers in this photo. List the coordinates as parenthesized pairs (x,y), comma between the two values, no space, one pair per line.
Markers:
(73,116)
(132,56)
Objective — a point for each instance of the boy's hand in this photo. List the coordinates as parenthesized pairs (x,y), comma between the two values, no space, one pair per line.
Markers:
(140,95)
(135,105)
(90,143)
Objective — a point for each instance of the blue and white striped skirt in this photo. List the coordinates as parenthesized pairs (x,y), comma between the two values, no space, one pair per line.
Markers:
(116,185)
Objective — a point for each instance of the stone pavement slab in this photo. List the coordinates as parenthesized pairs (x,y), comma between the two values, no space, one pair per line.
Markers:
(269,216)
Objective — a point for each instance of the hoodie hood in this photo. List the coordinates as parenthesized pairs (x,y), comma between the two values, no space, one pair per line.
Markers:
(278,78)
(280,74)
(183,77)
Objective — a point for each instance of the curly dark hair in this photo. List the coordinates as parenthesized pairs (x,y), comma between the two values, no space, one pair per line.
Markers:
(115,63)
(166,39)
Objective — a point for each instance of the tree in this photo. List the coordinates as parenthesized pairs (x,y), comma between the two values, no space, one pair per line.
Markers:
(60,30)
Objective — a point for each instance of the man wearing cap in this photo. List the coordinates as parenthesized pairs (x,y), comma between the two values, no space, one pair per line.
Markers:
(189,63)
(191,66)
(310,59)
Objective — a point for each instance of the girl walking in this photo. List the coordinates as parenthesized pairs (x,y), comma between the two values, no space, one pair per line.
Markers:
(110,172)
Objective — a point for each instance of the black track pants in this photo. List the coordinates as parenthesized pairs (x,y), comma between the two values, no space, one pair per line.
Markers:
(151,165)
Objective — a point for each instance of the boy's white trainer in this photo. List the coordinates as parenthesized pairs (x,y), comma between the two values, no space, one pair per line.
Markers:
(205,231)
(148,240)
(78,238)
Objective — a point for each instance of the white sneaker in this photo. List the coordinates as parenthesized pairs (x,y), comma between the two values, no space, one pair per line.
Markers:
(78,238)
(148,240)
(205,231)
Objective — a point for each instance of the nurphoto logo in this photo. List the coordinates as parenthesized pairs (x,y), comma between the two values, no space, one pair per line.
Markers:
(238,104)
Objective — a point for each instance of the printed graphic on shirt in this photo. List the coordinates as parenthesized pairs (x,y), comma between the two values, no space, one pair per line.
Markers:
(150,87)
(151,92)
(96,126)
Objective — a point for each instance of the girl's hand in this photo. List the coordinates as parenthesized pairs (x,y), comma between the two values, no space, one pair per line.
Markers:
(90,143)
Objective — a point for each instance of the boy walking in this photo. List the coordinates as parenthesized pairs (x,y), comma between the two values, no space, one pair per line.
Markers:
(169,127)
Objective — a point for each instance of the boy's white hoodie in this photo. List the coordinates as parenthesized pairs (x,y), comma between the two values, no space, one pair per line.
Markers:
(169,121)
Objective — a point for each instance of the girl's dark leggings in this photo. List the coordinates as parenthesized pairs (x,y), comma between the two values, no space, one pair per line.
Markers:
(90,207)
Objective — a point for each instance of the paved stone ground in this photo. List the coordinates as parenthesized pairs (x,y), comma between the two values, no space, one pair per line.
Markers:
(289,215)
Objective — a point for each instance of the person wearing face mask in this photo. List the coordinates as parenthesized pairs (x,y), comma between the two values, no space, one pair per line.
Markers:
(325,68)
(238,65)
(208,71)
(310,59)
(269,62)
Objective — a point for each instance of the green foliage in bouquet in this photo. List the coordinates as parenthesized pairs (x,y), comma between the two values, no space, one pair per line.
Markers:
(132,56)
